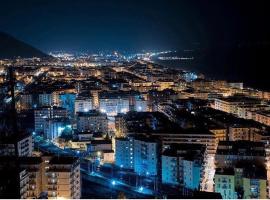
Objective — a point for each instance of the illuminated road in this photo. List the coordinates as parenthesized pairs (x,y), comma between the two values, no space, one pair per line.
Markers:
(103,177)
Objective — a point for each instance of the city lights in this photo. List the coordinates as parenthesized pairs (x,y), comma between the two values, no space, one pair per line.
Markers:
(147,101)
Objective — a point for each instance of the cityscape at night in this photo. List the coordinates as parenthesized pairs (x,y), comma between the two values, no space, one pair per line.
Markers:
(165,99)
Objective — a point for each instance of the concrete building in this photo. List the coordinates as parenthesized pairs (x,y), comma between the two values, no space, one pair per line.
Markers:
(183,165)
(34,168)
(231,104)
(54,127)
(225,183)
(244,132)
(83,104)
(26,101)
(40,177)
(48,99)
(99,145)
(138,152)
(230,152)
(113,104)
(92,120)
(43,113)
(64,179)
(24,144)
(263,117)
(124,153)
(245,180)
(190,136)
(67,101)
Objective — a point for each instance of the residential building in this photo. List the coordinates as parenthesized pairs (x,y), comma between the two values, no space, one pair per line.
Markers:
(262,117)
(231,104)
(67,101)
(64,179)
(146,151)
(140,153)
(83,104)
(124,157)
(225,183)
(112,103)
(23,142)
(47,112)
(92,120)
(183,165)
(230,152)
(48,99)
(54,127)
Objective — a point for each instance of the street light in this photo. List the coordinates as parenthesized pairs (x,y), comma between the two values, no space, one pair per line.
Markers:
(113,183)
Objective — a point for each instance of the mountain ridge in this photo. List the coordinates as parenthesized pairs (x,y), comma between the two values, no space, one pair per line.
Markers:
(11,47)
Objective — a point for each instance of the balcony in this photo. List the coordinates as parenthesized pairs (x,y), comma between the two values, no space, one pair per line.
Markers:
(52,187)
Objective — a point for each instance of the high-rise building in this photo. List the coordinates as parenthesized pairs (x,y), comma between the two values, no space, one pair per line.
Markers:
(138,152)
(33,177)
(146,155)
(54,127)
(64,179)
(183,165)
(124,153)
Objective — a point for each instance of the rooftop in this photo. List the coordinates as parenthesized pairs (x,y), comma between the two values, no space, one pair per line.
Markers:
(91,113)
(188,151)
(59,160)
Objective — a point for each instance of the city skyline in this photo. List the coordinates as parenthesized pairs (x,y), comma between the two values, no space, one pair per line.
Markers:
(134,99)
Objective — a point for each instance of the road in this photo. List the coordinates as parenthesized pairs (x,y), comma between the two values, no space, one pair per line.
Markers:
(101,178)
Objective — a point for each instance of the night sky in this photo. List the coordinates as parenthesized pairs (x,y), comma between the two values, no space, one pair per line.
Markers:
(90,25)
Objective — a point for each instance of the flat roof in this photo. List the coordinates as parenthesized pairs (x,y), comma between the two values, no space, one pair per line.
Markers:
(58,160)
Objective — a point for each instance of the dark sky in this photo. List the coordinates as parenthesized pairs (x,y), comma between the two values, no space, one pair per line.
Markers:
(90,25)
